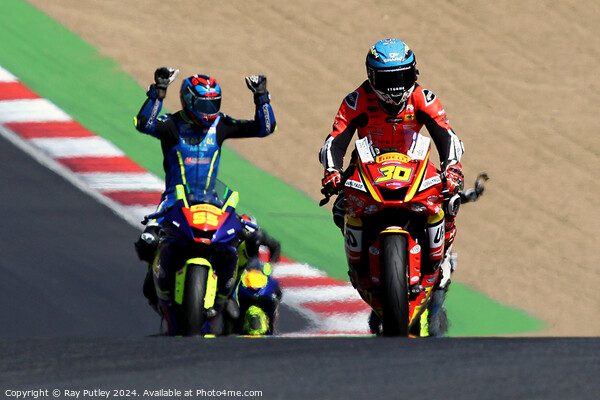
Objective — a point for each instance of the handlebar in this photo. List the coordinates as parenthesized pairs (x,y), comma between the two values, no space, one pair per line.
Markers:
(475,192)
(454,201)
(328,192)
(155,215)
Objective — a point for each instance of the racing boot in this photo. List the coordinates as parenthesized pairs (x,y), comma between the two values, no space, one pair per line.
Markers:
(447,268)
(149,290)
(227,305)
(227,272)
(449,261)
(375,324)
(437,319)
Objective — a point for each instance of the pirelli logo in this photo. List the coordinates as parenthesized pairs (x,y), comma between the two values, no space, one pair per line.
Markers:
(392,157)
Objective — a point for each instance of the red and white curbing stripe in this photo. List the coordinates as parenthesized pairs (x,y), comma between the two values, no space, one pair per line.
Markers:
(102,170)
(87,160)
(333,306)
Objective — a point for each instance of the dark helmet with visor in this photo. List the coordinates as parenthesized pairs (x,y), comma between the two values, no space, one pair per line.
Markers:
(201,98)
(392,72)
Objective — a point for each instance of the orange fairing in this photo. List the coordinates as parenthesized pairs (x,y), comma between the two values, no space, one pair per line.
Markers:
(255,279)
(205,217)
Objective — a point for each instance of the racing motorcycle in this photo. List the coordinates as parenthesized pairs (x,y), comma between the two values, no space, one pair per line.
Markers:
(389,198)
(197,235)
(259,296)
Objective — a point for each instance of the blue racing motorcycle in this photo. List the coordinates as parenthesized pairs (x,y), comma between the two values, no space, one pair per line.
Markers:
(199,235)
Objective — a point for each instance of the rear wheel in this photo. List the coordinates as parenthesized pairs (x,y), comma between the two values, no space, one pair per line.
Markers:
(394,284)
(193,299)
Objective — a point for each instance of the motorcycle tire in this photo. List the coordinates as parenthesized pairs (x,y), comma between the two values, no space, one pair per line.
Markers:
(394,284)
(193,299)
(256,321)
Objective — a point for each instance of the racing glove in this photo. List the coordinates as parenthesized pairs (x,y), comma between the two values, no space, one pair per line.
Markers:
(258,85)
(332,181)
(163,77)
(454,178)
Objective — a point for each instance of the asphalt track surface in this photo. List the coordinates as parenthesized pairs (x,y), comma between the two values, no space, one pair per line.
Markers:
(72,317)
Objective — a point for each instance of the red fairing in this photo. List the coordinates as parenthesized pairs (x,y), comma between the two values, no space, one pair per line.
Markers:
(395,181)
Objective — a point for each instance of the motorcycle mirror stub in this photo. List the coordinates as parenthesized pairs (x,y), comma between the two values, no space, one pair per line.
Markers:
(365,150)
(420,147)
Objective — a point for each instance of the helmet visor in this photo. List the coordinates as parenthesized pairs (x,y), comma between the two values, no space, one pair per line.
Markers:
(205,106)
(394,81)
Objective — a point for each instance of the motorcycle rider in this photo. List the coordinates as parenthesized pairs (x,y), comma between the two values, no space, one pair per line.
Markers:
(191,141)
(253,238)
(249,263)
(388,107)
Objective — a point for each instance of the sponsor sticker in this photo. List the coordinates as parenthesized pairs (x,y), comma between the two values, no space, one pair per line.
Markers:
(355,185)
(429,97)
(352,100)
(393,157)
(427,183)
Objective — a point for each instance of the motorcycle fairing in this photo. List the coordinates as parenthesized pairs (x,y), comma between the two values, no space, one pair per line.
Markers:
(209,216)
(204,217)
(393,171)
(205,222)
(353,238)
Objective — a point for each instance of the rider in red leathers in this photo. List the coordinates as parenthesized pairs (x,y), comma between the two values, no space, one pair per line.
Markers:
(390,107)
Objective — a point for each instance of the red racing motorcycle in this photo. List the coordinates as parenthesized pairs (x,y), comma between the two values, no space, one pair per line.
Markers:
(389,199)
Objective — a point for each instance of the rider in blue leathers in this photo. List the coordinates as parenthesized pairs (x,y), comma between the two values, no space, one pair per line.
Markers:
(191,141)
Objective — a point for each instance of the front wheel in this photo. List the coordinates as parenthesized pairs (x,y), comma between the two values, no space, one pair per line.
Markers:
(193,299)
(256,321)
(394,284)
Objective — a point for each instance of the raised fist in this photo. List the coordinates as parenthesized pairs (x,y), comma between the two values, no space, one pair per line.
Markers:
(258,85)
(163,77)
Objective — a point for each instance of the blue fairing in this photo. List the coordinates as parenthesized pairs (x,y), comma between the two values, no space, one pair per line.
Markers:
(230,230)
(176,223)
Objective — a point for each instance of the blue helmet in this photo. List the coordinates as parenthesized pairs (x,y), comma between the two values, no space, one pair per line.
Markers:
(392,72)
(201,98)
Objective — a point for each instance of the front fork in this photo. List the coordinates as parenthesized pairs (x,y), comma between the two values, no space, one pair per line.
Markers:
(364,266)
(211,282)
